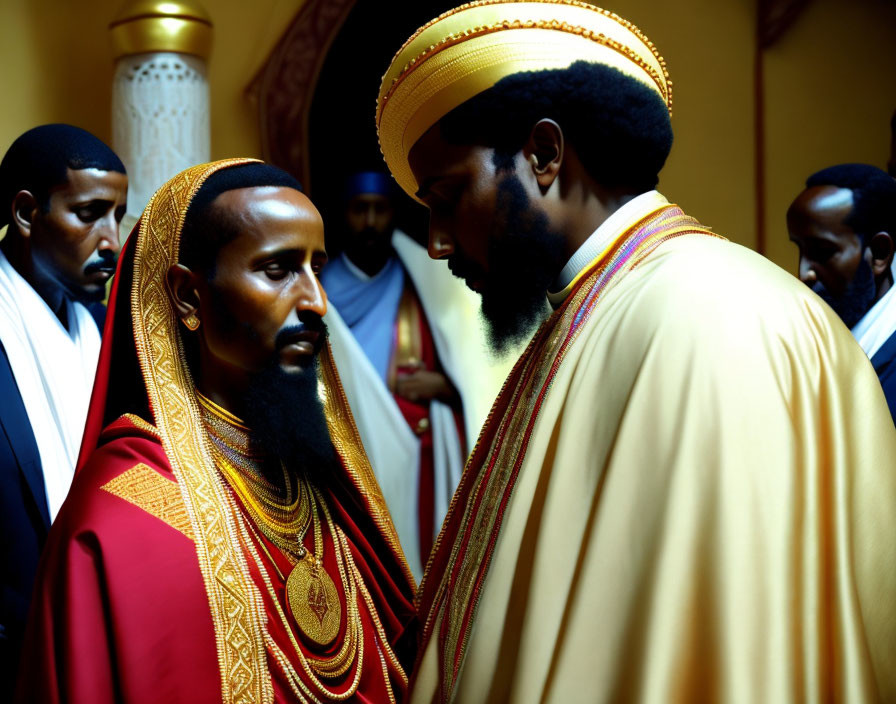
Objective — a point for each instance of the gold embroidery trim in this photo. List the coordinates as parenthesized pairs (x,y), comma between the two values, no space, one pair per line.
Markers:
(148,490)
(236,606)
(347,442)
(141,424)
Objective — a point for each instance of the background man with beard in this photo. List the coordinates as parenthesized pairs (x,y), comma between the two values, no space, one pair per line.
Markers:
(224,539)
(63,194)
(686,489)
(844,223)
(412,360)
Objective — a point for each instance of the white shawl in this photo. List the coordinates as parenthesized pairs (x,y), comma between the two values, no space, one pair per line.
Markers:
(393,449)
(54,370)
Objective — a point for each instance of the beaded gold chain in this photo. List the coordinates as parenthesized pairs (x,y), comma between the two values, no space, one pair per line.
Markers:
(284,516)
(352,650)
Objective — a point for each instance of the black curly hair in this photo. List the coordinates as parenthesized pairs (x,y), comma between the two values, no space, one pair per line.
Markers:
(619,127)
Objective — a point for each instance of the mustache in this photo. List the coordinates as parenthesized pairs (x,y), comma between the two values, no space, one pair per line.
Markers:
(463,268)
(312,329)
(103,261)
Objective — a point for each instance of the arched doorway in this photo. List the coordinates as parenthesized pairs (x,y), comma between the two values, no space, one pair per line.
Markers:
(317,95)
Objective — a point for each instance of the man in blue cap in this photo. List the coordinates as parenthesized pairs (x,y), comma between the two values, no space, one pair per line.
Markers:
(406,341)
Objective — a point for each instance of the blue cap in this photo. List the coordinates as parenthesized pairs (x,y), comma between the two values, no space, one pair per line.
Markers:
(374,182)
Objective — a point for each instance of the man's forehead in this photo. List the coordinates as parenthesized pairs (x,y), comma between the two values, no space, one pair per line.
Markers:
(821,209)
(373,198)
(831,198)
(272,201)
(269,218)
(431,149)
(433,158)
(91,180)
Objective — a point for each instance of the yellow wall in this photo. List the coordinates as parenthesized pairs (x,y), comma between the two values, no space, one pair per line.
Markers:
(708,48)
(830,94)
(830,90)
(57,65)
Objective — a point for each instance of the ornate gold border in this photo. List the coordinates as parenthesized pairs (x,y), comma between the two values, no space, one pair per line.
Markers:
(148,490)
(347,442)
(237,611)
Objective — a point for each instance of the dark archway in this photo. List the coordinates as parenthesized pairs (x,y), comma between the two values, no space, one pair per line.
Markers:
(342,124)
(316,96)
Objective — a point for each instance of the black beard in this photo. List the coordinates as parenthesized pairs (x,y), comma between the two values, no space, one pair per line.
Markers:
(287,420)
(524,257)
(855,301)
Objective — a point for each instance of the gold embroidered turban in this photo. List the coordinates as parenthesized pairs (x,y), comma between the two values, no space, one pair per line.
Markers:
(467,50)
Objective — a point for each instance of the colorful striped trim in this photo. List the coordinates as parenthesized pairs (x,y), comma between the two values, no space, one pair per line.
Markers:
(491,473)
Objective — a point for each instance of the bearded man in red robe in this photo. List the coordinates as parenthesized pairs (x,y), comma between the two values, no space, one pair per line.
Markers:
(225,539)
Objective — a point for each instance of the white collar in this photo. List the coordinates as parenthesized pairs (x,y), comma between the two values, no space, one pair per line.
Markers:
(879,323)
(607,233)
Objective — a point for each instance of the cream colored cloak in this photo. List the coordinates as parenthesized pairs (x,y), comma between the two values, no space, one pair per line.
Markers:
(705,511)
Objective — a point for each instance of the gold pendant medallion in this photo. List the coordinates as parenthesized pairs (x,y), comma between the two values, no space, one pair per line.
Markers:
(314,601)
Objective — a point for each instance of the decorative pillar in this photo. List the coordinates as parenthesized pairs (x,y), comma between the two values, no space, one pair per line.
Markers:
(160,95)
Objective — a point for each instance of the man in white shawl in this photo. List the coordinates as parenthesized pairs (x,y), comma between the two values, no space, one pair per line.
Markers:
(844,223)
(412,358)
(63,196)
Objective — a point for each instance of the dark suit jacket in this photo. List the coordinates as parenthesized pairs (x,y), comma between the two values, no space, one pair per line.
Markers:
(24,522)
(884,363)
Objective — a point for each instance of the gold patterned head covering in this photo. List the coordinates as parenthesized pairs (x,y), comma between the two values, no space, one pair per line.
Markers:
(236,607)
(235,602)
(469,49)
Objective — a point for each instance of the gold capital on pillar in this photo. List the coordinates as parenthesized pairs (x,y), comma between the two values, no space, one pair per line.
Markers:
(144,26)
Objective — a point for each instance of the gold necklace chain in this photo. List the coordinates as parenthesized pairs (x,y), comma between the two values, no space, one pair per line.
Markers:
(336,665)
(286,531)
(284,516)
(222,424)
(353,645)
(231,440)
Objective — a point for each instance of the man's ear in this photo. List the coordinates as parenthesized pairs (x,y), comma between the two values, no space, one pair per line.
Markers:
(24,207)
(544,152)
(882,248)
(184,292)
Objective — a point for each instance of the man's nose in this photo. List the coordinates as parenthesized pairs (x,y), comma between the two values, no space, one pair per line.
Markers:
(371,216)
(109,236)
(440,244)
(807,273)
(312,296)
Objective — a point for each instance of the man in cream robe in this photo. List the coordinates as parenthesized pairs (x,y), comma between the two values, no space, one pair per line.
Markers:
(382,284)
(686,489)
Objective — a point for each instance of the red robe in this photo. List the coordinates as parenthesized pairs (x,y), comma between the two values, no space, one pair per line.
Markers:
(416,413)
(121,612)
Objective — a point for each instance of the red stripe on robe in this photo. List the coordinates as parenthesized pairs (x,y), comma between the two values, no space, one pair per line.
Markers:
(415,412)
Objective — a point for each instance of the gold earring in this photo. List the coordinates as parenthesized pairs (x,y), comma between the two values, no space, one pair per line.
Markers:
(191,321)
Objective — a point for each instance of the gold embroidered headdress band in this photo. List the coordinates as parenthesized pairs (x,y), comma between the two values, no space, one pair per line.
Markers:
(469,49)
